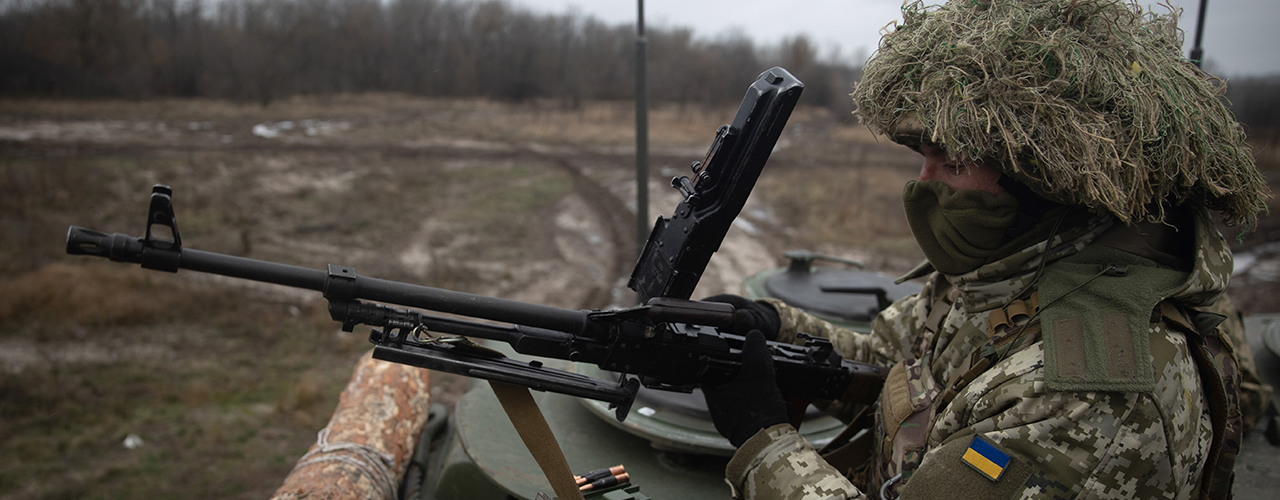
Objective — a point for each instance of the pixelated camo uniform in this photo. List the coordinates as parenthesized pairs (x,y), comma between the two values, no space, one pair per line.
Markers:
(1093,393)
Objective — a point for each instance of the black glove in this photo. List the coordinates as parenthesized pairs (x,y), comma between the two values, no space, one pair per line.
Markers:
(752,401)
(750,315)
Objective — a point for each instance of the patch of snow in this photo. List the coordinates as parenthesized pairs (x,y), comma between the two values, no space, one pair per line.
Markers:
(266,131)
(271,130)
(746,226)
(133,441)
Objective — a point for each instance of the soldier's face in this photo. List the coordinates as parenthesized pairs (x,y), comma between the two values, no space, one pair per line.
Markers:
(938,166)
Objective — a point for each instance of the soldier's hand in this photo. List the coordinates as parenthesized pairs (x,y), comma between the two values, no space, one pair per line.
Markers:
(750,315)
(751,401)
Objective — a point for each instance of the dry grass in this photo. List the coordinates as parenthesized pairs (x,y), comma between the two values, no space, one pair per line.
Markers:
(62,294)
(849,206)
(211,379)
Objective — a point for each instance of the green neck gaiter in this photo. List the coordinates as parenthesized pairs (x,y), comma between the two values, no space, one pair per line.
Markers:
(957,230)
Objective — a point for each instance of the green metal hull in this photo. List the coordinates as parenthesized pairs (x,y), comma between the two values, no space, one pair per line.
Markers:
(485,459)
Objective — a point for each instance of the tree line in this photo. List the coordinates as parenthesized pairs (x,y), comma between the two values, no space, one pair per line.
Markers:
(1255,100)
(262,50)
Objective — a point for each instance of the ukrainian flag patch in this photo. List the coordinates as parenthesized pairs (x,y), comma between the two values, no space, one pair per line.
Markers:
(985,458)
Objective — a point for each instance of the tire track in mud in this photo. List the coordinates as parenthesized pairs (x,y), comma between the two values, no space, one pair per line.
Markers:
(615,221)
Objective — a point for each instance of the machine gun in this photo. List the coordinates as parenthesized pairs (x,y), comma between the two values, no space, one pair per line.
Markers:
(668,343)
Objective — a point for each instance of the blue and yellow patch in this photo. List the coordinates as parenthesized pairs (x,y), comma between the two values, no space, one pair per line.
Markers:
(985,458)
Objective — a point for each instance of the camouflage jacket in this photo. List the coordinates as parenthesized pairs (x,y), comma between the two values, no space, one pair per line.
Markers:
(1051,397)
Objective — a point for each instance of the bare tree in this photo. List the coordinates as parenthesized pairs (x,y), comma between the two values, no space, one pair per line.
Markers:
(262,50)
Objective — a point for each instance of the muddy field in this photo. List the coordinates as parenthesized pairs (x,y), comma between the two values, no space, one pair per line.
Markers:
(225,383)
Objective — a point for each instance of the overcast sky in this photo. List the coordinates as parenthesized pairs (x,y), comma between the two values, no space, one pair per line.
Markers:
(1241,36)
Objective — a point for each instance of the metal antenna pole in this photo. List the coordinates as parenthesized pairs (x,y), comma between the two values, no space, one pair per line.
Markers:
(642,134)
(1197,53)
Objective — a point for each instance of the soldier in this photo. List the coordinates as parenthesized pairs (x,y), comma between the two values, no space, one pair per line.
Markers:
(1072,339)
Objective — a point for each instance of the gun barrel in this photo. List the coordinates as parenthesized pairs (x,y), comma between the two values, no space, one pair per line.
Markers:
(123,248)
(391,292)
(252,269)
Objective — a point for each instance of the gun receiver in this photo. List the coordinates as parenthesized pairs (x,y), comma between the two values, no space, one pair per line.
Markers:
(669,343)
(679,247)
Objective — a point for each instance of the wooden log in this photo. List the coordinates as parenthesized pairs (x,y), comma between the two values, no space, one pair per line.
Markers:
(364,450)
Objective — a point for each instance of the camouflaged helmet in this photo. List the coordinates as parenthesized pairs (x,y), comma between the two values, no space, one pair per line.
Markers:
(1087,102)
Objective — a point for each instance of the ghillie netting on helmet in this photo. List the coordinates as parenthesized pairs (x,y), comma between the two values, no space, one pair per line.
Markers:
(1087,102)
